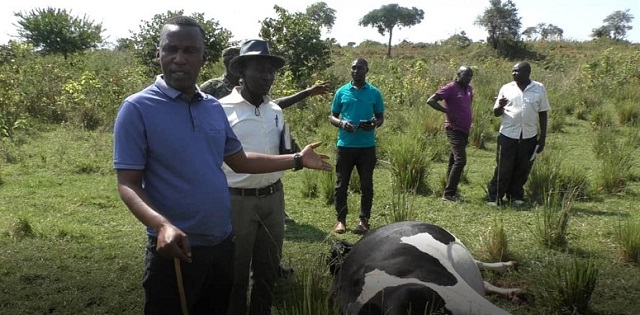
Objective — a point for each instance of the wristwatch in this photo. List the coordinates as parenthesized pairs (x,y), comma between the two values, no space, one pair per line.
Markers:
(297,159)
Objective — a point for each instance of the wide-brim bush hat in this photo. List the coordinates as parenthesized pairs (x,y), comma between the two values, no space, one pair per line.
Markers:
(251,49)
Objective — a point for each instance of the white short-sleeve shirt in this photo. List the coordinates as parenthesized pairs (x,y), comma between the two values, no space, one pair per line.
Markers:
(521,112)
(258,129)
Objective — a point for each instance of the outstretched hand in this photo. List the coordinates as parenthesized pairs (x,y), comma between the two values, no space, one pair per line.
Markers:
(312,159)
(319,88)
(172,242)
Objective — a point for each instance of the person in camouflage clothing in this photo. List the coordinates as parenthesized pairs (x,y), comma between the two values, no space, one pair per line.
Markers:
(221,86)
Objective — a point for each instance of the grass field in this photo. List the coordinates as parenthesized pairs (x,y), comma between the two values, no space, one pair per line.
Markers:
(69,246)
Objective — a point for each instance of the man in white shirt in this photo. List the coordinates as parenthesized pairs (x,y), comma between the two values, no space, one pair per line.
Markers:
(257,201)
(523,105)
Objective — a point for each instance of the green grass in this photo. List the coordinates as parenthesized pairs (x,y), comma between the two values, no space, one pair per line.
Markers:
(70,246)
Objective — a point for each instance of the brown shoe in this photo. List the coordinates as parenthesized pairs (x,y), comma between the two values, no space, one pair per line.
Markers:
(340,228)
(363,227)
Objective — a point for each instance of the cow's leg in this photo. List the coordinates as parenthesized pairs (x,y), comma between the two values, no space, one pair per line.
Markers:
(513,294)
(497,266)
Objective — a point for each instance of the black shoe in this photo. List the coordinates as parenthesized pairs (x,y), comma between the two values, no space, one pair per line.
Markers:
(288,219)
(450,198)
(363,227)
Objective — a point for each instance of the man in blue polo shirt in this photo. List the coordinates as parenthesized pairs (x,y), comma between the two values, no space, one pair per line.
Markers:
(357,110)
(170,140)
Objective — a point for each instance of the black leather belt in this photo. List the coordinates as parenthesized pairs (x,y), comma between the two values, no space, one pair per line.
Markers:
(257,192)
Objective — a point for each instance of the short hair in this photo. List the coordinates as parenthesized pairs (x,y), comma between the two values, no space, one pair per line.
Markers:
(182,20)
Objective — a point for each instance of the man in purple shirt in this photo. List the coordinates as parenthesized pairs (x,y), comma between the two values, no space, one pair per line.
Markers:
(457,97)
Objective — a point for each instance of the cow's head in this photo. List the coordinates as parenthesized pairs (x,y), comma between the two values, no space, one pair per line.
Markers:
(339,249)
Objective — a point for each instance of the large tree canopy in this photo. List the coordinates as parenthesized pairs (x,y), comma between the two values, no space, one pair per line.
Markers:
(297,38)
(57,31)
(146,40)
(502,23)
(615,26)
(322,14)
(390,16)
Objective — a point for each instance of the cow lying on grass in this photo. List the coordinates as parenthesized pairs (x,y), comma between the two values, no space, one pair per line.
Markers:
(412,268)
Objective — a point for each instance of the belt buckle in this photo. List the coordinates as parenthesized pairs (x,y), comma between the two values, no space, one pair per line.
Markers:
(272,189)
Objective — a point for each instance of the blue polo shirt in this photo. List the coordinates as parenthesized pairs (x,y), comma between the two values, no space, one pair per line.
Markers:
(355,105)
(180,147)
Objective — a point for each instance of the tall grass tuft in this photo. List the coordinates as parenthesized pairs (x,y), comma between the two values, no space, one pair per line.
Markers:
(401,207)
(629,114)
(481,131)
(20,229)
(409,163)
(575,284)
(616,155)
(327,186)
(628,236)
(549,173)
(310,187)
(307,291)
(495,242)
(552,219)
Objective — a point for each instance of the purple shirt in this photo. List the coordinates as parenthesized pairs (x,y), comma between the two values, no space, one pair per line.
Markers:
(458,103)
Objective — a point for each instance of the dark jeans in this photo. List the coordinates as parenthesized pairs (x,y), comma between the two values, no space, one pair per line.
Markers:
(457,160)
(364,160)
(512,169)
(207,280)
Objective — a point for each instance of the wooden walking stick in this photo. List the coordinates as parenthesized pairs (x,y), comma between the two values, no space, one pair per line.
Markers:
(183,298)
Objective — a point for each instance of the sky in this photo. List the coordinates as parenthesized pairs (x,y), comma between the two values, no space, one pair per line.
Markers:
(442,18)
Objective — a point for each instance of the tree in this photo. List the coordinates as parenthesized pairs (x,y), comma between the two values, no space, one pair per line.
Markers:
(146,40)
(54,31)
(551,32)
(531,33)
(322,14)
(297,38)
(501,22)
(543,31)
(458,40)
(616,26)
(389,16)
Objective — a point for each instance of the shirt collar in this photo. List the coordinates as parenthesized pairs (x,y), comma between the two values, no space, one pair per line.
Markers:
(171,92)
(236,97)
(365,86)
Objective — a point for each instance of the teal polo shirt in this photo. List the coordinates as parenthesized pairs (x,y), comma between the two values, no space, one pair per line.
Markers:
(355,105)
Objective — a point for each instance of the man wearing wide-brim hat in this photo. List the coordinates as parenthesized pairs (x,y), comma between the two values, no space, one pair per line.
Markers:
(257,200)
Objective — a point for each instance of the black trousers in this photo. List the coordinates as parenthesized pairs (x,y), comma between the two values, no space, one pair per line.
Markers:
(364,160)
(512,169)
(457,160)
(207,280)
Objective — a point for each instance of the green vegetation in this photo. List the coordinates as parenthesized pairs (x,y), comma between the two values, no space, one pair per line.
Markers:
(70,246)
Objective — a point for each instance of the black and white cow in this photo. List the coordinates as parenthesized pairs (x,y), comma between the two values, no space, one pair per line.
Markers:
(412,268)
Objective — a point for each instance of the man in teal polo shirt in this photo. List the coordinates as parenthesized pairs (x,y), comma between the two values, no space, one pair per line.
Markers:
(357,110)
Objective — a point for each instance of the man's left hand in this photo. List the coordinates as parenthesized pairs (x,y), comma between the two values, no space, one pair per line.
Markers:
(312,159)
(541,143)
